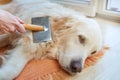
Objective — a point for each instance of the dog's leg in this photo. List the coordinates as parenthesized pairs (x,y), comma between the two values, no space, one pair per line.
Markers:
(13,65)
(16,59)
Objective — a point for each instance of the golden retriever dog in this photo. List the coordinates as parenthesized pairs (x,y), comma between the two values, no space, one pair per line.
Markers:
(75,37)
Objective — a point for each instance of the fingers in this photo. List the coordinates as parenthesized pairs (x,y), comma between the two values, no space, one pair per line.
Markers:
(19,20)
(10,23)
(3,29)
(1,32)
(19,27)
(16,25)
(6,28)
(10,27)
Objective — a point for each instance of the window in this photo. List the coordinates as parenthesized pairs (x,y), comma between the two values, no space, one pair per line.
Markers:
(109,9)
(87,7)
(106,8)
(113,5)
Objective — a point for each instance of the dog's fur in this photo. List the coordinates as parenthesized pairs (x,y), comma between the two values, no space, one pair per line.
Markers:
(75,37)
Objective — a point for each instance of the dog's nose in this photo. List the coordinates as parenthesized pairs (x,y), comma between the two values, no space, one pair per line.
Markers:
(76,66)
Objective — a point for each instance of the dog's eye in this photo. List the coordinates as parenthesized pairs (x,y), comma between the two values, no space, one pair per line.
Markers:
(81,39)
(93,52)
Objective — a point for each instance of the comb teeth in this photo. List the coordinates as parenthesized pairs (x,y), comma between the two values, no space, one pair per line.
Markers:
(42,36)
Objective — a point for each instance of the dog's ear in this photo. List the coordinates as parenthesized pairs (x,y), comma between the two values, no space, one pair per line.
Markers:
(82,39)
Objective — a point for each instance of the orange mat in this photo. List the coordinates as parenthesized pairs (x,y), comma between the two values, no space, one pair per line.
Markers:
(48,69)
(43,70)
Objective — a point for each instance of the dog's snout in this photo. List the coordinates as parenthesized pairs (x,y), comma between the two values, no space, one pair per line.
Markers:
(76,66)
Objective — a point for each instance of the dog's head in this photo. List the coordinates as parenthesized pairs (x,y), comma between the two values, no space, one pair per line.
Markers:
(76,39)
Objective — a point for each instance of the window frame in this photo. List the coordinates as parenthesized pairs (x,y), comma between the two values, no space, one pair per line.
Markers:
(87,9)
(107,13)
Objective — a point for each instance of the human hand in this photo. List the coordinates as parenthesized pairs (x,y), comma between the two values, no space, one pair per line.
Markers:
(10,23)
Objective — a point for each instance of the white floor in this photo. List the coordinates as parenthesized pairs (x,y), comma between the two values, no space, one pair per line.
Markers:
(111,60)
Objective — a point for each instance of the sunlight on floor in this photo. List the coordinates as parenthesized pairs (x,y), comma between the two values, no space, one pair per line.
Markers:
(111,33)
